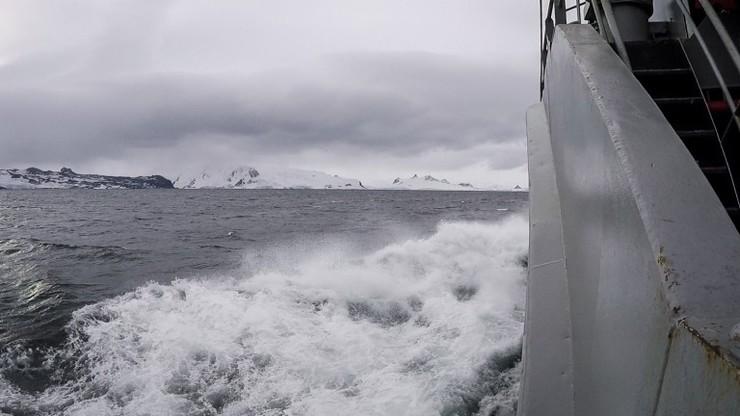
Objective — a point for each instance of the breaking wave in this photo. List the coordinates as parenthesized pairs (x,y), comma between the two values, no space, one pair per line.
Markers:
(423,327)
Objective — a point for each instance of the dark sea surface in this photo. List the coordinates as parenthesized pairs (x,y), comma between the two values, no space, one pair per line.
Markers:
(260,302)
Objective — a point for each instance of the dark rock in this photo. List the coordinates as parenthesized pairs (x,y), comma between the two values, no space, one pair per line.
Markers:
(37,171)
(155,181)
(67,178)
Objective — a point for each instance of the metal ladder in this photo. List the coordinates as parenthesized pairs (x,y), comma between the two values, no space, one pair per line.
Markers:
(665,73)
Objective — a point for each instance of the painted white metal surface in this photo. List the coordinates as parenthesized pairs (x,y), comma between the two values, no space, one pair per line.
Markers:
(547,383)
(652,261)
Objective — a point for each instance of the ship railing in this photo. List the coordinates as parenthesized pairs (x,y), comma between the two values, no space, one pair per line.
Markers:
(561,12)
(602,16)
(728,134)
(728,44)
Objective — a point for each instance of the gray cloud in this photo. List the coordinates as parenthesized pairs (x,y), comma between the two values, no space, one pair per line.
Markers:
(393,104)
(113,82)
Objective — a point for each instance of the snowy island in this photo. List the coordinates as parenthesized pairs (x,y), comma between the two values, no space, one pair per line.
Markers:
(251,178)
(428,182)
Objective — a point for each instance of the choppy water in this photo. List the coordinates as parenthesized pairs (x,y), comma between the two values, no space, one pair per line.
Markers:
(260,302)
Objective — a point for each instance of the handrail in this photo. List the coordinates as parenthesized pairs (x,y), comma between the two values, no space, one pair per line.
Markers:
(729,45)
(618,42)
(547,27)
(600,21)
(606,22)
(722,32)
(708,55)
(735,58)
(557,12)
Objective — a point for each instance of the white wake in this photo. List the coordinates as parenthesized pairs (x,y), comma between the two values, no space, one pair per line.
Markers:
(424,327)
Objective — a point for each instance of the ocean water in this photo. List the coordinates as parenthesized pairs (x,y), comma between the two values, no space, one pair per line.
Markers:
(260,302)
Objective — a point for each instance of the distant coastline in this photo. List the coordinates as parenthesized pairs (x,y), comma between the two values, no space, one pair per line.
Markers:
(240,178)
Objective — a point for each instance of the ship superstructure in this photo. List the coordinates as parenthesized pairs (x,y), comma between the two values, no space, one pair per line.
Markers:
(634,271)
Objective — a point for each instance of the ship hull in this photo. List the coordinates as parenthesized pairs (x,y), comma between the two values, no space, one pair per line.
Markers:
(634,268)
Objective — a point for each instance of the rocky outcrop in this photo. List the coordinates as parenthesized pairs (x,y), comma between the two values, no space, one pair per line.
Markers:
(66,178)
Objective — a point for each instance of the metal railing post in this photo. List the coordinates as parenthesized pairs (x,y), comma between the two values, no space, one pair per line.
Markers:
(560,12)
(557,13)
(603,25)
(619,43)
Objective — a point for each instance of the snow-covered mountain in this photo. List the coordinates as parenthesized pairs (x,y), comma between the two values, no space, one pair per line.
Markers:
(34,178)
(430,183)
(276,178)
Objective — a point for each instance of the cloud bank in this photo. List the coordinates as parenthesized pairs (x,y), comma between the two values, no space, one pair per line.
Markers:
(123,97)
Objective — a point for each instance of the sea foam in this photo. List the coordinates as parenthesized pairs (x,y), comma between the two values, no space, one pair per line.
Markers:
(422,327)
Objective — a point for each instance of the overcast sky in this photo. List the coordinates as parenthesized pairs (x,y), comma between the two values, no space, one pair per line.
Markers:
(371,89)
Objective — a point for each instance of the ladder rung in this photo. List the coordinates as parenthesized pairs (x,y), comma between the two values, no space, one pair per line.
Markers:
(695,134)
(666,71)
(715,170)
(678,100)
